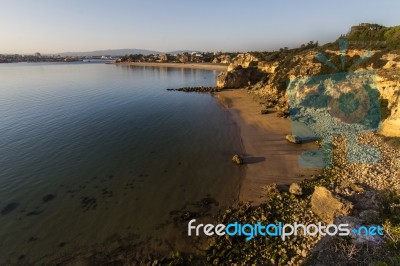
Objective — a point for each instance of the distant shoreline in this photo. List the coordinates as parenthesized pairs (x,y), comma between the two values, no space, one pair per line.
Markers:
(208,66)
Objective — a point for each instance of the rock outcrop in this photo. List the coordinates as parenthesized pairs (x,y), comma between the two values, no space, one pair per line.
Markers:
(266,77)
(239,77)
(244,60)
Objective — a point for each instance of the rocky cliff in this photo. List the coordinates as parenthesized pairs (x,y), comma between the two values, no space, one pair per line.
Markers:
(266,74)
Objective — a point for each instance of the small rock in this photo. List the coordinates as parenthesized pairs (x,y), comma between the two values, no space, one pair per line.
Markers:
(295,189)
(356,188)
(293,139)
(264,111)
(237,159)
(304,253)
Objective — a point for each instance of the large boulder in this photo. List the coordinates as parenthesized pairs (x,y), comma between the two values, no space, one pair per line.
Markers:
(327,206)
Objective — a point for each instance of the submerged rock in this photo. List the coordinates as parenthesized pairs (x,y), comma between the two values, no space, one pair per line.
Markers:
(48,197)
(9,208)
(237,159)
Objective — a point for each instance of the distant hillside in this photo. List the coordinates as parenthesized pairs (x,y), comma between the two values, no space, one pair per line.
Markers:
(121,52)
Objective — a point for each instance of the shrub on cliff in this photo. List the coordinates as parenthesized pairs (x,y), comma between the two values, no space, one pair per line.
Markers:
(392,37)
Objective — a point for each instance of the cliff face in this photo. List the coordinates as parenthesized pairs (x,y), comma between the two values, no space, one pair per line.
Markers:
(388,79)
(266,77)
(239,77)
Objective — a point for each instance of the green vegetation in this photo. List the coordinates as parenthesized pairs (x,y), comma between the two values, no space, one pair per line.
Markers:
(389,252)
(374,36)
(392,37)
(367,32)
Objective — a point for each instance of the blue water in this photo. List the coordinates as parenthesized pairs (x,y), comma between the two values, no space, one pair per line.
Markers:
(94,154)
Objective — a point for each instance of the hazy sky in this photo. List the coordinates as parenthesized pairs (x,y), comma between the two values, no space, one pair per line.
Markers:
(52,26)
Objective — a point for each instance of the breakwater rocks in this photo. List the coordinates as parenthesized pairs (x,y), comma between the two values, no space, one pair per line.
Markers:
(196,89)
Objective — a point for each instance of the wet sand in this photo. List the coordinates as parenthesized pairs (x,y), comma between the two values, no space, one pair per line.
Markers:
(268,157)
(207,66)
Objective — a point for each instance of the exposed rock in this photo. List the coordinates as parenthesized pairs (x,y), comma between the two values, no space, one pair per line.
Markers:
(239,77)
(264,111)
(356,188)
(296,189)
(327,206)
(350,220)
(222,59)
(286,65)
(237,159)
(367,201)
(268,67)
(293,139)
(369,216)
(243,60)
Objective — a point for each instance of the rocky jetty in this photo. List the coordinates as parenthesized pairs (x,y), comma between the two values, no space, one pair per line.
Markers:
(196,89)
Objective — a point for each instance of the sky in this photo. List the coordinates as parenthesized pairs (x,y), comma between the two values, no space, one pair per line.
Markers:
(49,26)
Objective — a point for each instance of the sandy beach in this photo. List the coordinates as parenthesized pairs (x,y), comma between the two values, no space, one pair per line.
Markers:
(207,66)
(268,157)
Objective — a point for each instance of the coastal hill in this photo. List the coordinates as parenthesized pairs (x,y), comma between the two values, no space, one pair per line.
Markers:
(358,194)
(265,74)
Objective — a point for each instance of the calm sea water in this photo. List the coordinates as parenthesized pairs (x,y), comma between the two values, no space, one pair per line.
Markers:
(97,158)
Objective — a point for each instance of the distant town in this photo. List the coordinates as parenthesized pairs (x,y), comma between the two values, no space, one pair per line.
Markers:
(186,57)
(37,57)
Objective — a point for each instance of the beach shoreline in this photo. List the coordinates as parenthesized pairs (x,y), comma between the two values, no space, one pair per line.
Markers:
(206,66)
(268,157)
